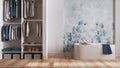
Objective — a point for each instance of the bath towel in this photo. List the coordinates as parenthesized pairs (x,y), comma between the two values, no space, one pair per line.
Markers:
(106,49)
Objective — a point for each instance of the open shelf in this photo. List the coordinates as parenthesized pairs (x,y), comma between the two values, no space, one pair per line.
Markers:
(32,51)
(11,52)
(33,20)
(33,44)
(12,23)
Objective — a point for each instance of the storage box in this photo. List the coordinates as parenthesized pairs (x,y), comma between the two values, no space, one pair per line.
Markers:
(16,56)
(27,56)
(37,56)
(7,56)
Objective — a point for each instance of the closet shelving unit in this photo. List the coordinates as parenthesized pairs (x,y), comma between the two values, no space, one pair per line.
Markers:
(34,44)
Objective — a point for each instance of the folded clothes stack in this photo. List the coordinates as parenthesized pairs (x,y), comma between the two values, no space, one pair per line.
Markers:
(11,49)
(7,49)
(16,49)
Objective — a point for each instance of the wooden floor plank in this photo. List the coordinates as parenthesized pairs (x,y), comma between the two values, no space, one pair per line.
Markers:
(60,63)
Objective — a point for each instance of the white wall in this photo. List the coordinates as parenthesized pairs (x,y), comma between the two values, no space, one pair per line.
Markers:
(117,27)
(1,20)
(55,26)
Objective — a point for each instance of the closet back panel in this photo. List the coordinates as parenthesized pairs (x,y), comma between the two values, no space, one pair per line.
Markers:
(33,36)
(12,44)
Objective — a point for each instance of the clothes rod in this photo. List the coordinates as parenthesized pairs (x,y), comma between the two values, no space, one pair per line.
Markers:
(11,23)
(33,20)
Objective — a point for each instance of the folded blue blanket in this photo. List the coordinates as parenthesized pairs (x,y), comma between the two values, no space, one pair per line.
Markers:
(106,49)
(7,49)
(11,49)
(16,49)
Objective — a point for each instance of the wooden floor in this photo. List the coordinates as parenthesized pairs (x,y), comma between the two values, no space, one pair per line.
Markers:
(60,63)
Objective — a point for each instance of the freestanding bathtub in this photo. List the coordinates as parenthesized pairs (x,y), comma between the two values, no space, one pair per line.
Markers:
(92,52)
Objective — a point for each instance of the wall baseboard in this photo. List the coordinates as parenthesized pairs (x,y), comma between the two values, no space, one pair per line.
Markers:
(56,55)
(117,56)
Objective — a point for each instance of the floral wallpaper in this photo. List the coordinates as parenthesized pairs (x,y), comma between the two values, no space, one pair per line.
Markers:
(88,21)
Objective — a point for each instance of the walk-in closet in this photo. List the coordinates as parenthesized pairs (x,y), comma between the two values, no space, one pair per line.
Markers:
(23,32)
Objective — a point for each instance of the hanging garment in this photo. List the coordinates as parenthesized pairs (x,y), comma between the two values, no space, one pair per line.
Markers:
(6,11)
(3,33)
(24,28)
(19,32)
(39,30)
(7,33)
(12,8)
(25,10)
(27,29)
(15,32)
(18,8)
(17,14)
(32,3)
(29,8)
(10,32)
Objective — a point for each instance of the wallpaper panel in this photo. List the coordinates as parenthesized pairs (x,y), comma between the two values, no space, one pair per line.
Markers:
(88,21)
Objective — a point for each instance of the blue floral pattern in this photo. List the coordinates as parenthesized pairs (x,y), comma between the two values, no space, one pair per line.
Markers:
(87,21)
